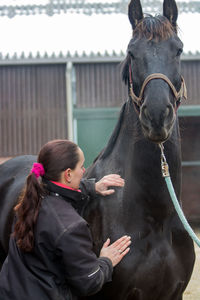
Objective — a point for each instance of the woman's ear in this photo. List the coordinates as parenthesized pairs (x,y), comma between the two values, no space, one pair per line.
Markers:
(67,175)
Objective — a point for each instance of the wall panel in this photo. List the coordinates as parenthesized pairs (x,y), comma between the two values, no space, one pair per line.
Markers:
(191,73)
(32,107)
(99,85)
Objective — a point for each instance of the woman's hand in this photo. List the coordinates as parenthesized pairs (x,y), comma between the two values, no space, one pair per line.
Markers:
(116,251)
(104,183)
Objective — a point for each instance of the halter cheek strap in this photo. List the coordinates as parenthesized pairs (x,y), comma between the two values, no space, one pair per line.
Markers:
(182,93)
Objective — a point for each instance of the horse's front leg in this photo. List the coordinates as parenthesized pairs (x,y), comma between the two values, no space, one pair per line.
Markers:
(178,294)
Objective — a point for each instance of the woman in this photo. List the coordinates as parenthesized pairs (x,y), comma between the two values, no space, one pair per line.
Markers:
(50,252)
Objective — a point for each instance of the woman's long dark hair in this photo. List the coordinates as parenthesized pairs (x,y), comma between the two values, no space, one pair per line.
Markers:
(55,156)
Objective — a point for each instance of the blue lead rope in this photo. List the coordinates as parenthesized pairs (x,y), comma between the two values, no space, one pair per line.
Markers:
(180,212)
(165,174)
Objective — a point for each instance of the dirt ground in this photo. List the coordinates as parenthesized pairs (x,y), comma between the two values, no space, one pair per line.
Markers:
(193,289)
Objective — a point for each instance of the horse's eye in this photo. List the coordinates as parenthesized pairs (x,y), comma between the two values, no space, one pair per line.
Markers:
(180,50)
(131,54)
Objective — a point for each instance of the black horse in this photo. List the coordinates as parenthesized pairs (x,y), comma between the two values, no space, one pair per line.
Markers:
(161,259)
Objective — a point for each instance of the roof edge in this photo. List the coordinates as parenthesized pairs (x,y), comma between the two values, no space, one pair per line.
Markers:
(61,58)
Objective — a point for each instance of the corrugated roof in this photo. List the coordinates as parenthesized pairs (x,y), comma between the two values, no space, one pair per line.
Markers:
(74,36)
(13,8)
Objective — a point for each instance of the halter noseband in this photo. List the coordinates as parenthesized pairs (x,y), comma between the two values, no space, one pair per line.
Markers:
(182,93)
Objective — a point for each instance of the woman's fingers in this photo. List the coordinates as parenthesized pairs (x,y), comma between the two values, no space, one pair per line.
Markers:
(123,246)
(113,179)
(117,244)
(106,244)
(104,183)
(125,252)
(117,250)
(107,192)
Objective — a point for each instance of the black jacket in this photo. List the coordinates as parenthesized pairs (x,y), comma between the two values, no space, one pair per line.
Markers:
(62,265)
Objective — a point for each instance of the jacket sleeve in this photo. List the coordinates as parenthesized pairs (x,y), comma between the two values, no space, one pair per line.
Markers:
(87,187)
(84,271)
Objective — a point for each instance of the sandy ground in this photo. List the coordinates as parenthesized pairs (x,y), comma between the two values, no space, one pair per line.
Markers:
(193,289)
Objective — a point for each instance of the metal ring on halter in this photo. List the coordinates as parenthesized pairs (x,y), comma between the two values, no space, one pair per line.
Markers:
(164,164)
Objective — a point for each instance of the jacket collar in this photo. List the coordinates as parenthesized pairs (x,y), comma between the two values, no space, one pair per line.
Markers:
(65,186)
(77,199)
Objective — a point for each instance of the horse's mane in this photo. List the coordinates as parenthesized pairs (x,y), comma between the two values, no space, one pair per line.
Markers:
(153,28)
(156,28)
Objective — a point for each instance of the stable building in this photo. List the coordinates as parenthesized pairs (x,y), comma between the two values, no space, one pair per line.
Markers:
(60,78)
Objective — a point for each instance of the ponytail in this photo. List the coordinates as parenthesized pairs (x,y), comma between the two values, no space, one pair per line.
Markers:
(53,158)
(27,212)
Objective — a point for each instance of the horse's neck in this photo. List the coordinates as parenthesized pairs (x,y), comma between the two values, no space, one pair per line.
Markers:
(145,191)
(138,159)
(122,141)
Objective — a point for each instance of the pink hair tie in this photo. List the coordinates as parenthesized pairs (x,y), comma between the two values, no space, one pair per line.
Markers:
(38,170)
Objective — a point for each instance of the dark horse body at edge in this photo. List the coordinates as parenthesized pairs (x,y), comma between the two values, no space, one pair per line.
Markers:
(161,259)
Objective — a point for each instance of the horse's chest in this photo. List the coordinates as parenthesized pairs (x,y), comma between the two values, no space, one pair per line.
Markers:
(152,269)
(154,259)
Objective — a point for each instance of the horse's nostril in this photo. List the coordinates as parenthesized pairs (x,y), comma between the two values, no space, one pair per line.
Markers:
(145,113)
(167,112)
(168,115)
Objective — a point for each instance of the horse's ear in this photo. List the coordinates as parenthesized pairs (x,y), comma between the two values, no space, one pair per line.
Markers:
(170,11)
(135,13)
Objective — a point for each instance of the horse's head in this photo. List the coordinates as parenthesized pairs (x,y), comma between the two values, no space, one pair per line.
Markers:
(152,69)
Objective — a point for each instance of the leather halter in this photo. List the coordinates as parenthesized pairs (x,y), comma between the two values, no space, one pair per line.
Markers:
(182,93)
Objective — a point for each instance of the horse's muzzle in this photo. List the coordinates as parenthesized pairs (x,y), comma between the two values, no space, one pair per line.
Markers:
(157,125)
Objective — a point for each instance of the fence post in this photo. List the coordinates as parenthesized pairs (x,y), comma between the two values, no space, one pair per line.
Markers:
(69,101)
